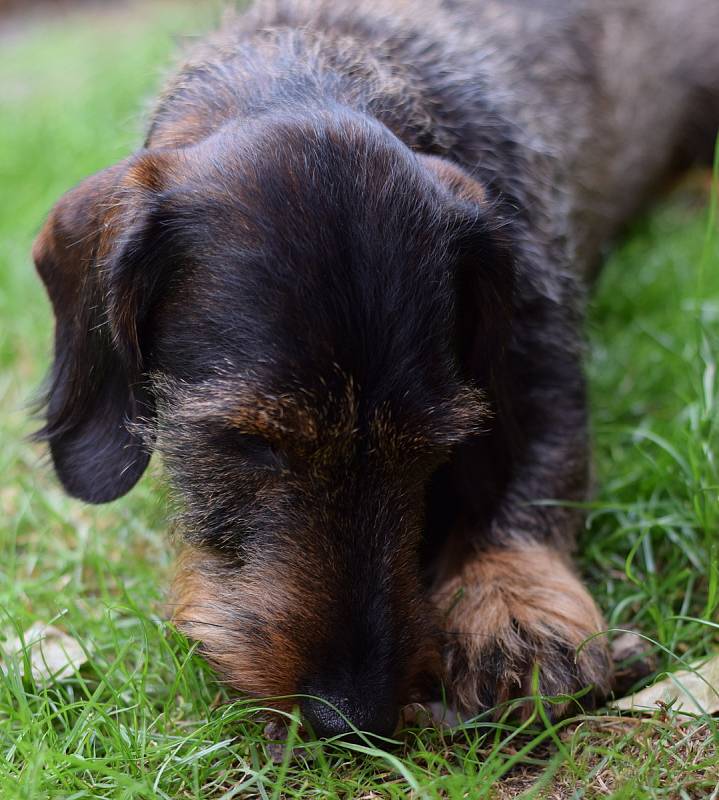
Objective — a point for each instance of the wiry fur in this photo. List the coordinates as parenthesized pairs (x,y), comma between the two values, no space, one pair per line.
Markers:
(513,609)
(340,289)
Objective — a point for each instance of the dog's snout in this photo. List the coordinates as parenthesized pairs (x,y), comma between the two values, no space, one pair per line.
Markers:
(331,715)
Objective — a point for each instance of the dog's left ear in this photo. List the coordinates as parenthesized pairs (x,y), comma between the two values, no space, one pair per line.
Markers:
(99,255)
(484,269)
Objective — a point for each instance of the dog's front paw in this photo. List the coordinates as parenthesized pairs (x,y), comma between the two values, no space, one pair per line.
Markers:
(515,612)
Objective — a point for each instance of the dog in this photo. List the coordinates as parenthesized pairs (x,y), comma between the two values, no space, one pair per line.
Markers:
(340,290)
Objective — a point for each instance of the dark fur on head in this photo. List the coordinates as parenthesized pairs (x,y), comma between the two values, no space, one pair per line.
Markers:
(339,290)
(297,299)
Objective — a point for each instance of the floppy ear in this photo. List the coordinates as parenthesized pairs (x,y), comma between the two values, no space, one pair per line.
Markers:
(96,258)
(484,271)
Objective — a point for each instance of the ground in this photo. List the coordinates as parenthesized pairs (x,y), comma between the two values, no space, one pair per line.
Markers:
(144,717)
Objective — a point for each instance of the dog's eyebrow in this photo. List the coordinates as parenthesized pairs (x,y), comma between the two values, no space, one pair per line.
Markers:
(239,402)
(442,424)
(248,409)
(271,415)
(307,421)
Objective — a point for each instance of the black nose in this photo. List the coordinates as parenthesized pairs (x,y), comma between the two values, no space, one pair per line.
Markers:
(366,716)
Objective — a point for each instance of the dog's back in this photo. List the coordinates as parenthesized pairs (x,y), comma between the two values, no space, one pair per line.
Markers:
(607,97)
(577,108)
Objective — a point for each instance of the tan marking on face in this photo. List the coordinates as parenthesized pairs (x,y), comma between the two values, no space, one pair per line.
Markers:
(524,603)
(448,423)
(210,602)
(315,429)
(273,417)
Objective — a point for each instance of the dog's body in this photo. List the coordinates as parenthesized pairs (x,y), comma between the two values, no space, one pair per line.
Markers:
(341,291)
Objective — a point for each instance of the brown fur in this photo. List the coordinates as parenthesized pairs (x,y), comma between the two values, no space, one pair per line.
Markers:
(508,610)
(264,657)
(260,632)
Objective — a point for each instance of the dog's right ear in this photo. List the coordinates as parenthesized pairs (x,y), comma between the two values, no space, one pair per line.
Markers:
(98,257)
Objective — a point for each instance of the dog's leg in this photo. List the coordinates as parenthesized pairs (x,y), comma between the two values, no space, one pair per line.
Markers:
(509,611)
(510,598)
(506,590)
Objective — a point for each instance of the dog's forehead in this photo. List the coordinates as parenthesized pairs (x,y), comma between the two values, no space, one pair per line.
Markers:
(325,284)
(270,184)
(320,298)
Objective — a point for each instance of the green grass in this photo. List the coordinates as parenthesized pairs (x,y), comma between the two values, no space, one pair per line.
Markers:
(144,717)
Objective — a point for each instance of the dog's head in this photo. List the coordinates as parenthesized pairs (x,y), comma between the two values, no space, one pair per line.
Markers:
(290,311)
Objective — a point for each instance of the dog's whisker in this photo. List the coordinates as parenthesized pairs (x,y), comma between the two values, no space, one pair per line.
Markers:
(199,622)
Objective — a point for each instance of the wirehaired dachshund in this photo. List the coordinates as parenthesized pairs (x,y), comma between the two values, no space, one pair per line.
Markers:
(340,290)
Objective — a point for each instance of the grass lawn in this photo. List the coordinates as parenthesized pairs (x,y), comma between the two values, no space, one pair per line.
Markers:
(144,717)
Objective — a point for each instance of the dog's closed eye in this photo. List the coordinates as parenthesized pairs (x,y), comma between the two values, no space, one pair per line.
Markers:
(256,451)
